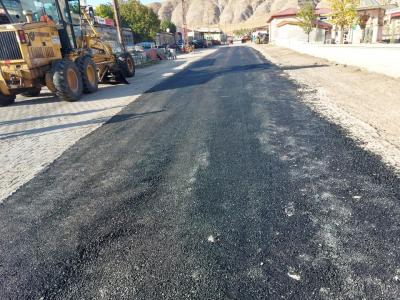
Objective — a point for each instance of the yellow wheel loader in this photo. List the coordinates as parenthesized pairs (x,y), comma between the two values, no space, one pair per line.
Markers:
(44,43)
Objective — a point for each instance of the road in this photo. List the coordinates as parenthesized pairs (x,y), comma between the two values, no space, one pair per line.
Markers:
(218,183)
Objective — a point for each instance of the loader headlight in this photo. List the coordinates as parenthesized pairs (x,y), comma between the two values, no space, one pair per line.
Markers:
(22,37)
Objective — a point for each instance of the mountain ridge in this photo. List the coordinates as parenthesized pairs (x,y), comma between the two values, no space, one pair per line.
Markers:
(209,13)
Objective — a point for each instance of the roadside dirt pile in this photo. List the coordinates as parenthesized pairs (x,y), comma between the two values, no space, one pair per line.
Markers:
(365,104)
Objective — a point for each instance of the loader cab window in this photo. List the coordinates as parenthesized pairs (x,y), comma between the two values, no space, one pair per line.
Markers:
(41,10)
(3,16)
(75,16)
(4,19)
(14,10)
(71,13)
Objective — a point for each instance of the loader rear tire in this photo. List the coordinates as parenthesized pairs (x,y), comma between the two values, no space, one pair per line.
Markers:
(67,80)
(34,92)
(126,64)
(90,78)
(6,99)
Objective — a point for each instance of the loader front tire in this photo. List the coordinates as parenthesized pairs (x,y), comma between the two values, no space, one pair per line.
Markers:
(126,64)
(67,80)
(6,99)
(90,78)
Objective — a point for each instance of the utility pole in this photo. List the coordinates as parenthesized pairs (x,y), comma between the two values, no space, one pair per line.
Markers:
(117,18)
(184,24)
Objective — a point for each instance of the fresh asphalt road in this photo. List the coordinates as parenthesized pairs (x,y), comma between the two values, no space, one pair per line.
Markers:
(218,183)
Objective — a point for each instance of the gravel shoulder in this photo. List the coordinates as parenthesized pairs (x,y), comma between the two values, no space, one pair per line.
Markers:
(36,131)
(365,104)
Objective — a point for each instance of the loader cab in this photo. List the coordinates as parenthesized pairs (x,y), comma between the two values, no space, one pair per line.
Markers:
(4,19)
(65,14)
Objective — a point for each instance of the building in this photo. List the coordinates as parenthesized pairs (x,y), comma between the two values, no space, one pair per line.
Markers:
(370,26)
(284,27)
(377,23)
(391,26)
(212,34)
(194,35)
(109,34)
(165,38)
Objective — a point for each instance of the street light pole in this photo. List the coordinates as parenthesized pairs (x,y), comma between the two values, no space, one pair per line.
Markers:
(118,24)
(184,24)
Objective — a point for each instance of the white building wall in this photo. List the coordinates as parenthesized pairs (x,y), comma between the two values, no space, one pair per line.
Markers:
(274,26)
(292,33)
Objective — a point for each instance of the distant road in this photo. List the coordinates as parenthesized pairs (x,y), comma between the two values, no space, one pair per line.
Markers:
(216,184)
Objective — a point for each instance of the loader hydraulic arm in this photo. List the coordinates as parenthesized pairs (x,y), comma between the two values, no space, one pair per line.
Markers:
(93,39)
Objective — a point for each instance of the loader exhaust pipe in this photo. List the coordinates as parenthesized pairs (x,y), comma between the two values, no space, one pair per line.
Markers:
(28,15)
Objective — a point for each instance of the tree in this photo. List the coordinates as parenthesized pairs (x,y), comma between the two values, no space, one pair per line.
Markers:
(307,19)
(241,32)
(167,24)
(74,8)
(344,14)
(141,19)
(105,11)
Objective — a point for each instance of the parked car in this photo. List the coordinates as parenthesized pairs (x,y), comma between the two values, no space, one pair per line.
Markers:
(147,45)
(245,39)
(216,43)
(197,44)
(174,46)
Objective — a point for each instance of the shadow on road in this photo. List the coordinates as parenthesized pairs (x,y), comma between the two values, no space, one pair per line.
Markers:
(302,67)
(124,117)
(18,121)
(190,77)
(43,130)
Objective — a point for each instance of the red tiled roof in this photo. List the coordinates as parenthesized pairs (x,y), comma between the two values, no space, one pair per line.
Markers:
(287,22)
(284,13)
(323,25)
(396,14)
(289,12)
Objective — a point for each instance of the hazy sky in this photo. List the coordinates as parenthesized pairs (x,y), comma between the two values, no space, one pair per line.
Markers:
(95,2)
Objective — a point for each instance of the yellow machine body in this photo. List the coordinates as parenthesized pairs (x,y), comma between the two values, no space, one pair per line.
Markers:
(26,53)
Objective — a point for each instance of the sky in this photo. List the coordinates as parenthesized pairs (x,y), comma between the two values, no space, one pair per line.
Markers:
(96,2)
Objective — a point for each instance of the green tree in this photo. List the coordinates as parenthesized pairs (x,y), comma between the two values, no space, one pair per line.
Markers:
(167,24)
(105,11)
(74,8)
(241,32)
(141,19)
(344,14)
(307,18)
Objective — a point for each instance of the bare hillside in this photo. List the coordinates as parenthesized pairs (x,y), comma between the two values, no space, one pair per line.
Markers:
(219,12)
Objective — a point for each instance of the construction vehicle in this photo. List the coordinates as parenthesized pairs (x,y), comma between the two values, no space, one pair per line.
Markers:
(52,43)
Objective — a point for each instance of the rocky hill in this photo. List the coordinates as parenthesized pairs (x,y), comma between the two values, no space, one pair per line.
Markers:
(202,13)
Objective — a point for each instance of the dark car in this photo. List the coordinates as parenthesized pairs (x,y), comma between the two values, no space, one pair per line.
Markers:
(197,44)
(245,39)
